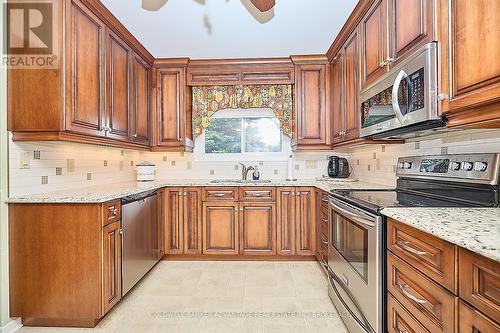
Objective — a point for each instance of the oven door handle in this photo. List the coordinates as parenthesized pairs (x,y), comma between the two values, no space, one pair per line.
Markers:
(353,216)
(334,281)
(395,103)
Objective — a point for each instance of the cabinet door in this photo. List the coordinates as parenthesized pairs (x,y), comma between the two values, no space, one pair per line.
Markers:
(373,31)
(220,228)
(313,118)
(338,98)
(192,220)
(141,98)
(351,67)
(171,107)
(410,26)
(305,236)
(173,221)
(258,228)
(112,265)
(470,70)
(285,221)
(472,321)
(118,64)
(85,70)
(160,208)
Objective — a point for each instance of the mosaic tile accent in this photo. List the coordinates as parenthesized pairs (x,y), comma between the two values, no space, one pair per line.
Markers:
(45,180)
(36,154)
(58,171)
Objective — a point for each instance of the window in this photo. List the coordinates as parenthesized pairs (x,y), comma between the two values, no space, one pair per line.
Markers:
(243,135)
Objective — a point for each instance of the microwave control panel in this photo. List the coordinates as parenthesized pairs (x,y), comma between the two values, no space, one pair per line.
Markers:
(416,89)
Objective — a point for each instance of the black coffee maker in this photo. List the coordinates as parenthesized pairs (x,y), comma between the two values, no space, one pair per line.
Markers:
(338,167)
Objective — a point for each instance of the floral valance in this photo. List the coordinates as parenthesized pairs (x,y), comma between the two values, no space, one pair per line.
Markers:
(208,100)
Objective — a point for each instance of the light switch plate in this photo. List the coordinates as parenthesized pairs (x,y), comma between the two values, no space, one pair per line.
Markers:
(24,160)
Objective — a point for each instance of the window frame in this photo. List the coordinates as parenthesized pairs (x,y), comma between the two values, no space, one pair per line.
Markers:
(286,148)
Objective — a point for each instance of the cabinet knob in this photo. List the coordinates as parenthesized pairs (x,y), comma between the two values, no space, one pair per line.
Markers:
(383,64)
(135,135)
(442,97)
(300,138)
(389,60)
(180,139)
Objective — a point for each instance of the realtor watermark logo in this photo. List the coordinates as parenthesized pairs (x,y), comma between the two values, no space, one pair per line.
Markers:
(31,40)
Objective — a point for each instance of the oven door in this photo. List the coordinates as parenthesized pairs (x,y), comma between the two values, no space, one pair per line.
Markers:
(355,266)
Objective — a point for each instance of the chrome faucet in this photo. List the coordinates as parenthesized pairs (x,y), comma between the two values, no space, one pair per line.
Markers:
(245,170)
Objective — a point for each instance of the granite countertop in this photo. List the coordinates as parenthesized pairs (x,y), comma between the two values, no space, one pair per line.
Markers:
(108,192)
(475,229)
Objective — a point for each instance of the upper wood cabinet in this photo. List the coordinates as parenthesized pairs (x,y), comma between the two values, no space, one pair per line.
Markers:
(312,107)
(95,94)
(118,83)
(85,72)
(374,39)
(411,25)
(346,89)
(240,72)
(173,130)
(141,97)
(470,70)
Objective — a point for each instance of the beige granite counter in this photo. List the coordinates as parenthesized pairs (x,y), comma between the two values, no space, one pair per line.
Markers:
(475,229)
(108,192)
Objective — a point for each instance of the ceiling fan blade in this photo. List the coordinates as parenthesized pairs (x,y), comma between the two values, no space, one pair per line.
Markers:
(263,5)
(153,5)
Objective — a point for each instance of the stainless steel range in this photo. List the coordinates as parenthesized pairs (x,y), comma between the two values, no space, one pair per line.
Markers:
(357,229)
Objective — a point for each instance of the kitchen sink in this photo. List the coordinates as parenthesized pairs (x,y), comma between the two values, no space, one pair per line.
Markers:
(240,181)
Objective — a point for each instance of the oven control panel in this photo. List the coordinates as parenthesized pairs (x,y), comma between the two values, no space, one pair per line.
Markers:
(479,168)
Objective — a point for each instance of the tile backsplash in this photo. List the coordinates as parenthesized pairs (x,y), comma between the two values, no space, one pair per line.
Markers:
(62,165)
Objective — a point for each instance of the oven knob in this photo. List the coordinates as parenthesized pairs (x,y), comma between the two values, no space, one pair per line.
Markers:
(480,166)
(401,165)
(407,165)
(455,166)
(467,166)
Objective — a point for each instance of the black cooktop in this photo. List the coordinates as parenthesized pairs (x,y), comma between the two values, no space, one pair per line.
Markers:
(410,193)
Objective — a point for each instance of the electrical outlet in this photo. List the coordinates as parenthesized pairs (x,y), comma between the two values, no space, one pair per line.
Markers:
(24,160)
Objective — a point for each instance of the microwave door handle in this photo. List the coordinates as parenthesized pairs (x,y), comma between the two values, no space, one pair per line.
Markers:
(395,103)
(353,216)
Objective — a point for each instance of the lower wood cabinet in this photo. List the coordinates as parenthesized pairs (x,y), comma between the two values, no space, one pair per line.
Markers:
(258,228)
(112,264)
(182,220)
(296,225)
(65,262)
(419,268)
(220,228)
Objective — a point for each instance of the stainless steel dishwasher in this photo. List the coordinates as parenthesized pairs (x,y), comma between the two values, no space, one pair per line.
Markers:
(140,237)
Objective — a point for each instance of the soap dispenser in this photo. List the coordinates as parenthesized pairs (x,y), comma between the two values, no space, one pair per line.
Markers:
(256,173)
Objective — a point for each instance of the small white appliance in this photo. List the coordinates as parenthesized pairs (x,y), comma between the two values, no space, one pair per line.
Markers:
(146,172)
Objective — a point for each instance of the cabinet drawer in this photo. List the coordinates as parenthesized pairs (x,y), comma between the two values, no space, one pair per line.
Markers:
(257,194)
(471,321)
(111,212)
(430,304)
(220,193)
(479,283)
(399,320)
(430,255)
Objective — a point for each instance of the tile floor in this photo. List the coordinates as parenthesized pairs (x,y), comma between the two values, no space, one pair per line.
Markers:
(222,296)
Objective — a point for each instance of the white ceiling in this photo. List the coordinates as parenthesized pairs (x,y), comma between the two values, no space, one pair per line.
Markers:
(179,28)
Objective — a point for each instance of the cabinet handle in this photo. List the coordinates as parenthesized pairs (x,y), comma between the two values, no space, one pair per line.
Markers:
(241,209)
(325,220)
(323,240)
(219,195)
(389,60)
(406,246)
(180,139)
(406,290)
(383,64)
(442,97)
(135,135)
(235,209)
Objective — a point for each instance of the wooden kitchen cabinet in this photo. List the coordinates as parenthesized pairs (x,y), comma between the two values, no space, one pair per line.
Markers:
(70,273)
(160,214)
(173,130)
(112,264)
(473,321)
(374,39)
(141,116)
(257,222)
(118,83)
(346,91)
(312,107)
(220,228)
(88,96)
(470,70)
(183,220)
(296,221)
(86,72)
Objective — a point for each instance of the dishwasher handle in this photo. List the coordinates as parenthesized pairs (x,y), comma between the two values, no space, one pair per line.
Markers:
(137,197)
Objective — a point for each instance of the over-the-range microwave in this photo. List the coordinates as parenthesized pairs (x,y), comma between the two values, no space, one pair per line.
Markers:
(403,103)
